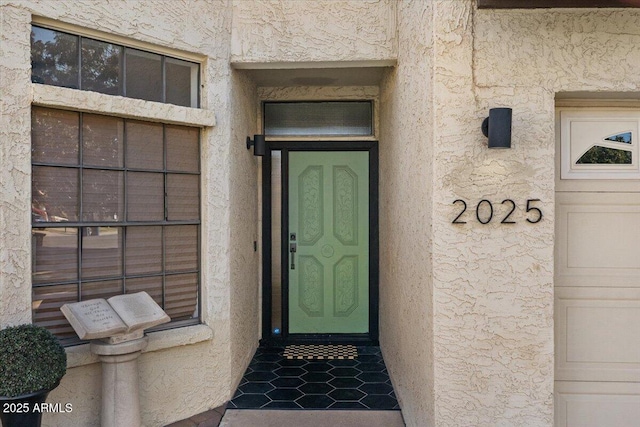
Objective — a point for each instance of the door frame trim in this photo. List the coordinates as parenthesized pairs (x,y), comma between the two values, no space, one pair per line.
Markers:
(268,338)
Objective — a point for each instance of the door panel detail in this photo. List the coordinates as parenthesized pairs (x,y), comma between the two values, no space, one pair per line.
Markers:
(328,202)
(311,294)
(311,209)
(345,291)
(327,251)
(345,205)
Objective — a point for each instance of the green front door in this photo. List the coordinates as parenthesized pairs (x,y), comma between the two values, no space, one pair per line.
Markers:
(328,242)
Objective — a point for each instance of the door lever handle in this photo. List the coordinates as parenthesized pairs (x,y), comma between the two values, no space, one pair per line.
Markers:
(292,249)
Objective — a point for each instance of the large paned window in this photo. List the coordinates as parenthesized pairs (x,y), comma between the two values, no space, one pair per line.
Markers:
(77,62)
(115,209)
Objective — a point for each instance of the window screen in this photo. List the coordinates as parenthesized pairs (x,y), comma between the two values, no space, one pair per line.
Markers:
(69,60)
(115,209)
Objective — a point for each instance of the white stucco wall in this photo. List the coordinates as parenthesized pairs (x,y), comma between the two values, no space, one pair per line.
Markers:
(466,321)
(406,171)
(480,296)
(244,306)
(291,31)
(15,167)
(187,370)
(493,284)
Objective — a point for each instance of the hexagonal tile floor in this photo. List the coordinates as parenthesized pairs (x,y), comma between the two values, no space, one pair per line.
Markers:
(272,381)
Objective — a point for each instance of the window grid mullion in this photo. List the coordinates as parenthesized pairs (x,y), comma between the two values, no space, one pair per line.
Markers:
(81,226)
(111,224)
(79,279)
(112,168)
(123,260)
(119,277)
(198,290)
(164,79)
(164,268)
(124,71)
(164,167)
(79,62)
(166,214)
(80,198)
(199,261)
(125,172)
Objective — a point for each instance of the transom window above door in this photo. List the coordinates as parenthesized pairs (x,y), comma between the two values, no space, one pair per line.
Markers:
(318,118)
(599,144)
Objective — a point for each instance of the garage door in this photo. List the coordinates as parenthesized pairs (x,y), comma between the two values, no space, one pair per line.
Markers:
(597,271)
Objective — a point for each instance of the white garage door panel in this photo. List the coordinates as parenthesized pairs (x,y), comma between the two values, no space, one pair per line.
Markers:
(589,337)
(598,334)
(616,235)
(587,404)
(597,269)
(598,239)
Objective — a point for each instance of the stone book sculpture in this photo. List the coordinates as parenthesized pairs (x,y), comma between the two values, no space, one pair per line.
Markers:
(120,318)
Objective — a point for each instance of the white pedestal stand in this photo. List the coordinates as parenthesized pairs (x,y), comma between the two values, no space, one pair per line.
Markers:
(120,395)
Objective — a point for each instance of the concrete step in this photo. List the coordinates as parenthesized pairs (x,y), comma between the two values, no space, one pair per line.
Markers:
(310,418)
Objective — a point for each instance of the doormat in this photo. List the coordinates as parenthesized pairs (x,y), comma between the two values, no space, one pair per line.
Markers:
(320,352)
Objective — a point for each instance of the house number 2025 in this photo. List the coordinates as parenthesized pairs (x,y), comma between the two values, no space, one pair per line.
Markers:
(484,211)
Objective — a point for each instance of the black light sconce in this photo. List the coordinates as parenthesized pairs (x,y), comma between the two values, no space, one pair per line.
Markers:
(259,145)
(497,127)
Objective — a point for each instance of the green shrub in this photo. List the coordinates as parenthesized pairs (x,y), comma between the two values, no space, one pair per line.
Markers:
(31,359)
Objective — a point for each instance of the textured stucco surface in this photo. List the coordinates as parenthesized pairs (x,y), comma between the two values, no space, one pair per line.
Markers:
(480,297)
(466,321)
(493,284)
(244,311)
(82,388)
(406,170)
(313,31)
(176,382)
(15,167)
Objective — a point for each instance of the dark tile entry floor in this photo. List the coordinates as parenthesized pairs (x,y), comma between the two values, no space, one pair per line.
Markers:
(271,381)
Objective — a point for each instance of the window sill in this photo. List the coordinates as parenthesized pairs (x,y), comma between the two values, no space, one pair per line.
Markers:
(93,102)
(81,355)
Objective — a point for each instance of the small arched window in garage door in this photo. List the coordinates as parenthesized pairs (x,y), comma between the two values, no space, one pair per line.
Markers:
(599,145)
(610,155)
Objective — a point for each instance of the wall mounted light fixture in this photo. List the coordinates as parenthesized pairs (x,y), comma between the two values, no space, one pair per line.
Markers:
(497,127)
(259,145)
